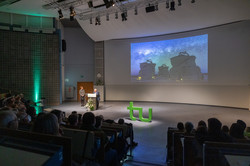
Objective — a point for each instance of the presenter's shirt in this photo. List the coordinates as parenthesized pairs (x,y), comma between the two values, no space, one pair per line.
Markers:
(82,92)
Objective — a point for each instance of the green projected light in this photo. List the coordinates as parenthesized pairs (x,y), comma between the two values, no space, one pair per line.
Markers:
(36,73)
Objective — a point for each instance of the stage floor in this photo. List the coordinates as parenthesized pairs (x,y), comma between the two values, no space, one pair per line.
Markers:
(152,137)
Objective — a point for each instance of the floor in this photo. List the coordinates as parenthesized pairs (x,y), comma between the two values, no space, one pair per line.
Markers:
(152,136)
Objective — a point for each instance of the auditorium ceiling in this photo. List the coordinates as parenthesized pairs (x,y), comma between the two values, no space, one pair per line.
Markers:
(111,24)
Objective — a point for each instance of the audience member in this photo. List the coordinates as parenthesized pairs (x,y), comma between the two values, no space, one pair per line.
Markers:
(237,131)
(189,128)
(46,124)
(202,123)
(73,120)
(88,121)
(225,129)
(180,126)
(8,119)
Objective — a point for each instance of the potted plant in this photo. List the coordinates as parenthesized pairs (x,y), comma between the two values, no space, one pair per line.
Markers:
(90,104)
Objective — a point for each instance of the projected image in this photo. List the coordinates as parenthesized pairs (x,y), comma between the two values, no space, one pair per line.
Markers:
(170,60)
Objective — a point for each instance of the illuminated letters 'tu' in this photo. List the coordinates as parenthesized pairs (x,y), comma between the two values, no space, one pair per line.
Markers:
(131,112)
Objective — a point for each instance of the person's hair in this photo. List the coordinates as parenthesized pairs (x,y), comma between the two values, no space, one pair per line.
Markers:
(46,124)
(236,131)
(121,121)
(98,122)
(59,114)
(73,119)
(74,112)
(88,119)
(180,126)
(189,127)
(242,123)
(225,129)
(214,126)
(202,123)
(8,119)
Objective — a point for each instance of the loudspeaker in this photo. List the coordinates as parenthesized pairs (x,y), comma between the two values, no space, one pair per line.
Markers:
(63,45)
(150,9)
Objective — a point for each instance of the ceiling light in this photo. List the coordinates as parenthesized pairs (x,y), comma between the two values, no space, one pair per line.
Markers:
(60,14)
(97,20)
(172,5)
(156,6)
(124,16)
(179,2)
(116,15)
(167,4)
(72,13)
(136,11)
(90,20)
(107,17)
(90,3)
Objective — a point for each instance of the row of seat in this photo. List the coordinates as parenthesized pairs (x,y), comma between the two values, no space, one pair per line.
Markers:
(78,145)
(182,150)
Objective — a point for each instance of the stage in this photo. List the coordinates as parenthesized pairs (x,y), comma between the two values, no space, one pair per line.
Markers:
(152,136)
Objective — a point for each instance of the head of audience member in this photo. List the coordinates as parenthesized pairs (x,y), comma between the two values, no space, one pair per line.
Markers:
(31,111)
(242,123)
(236,131)
(225,129)
(99,120)
(88,119)
(8,119)
(23,117)
(9,102)
(95,90)
(74,112)
(73,119)
(121,121)
(189,127)
(201,134)
(202,123)
(180,126)
(59,115)
(214,126)
(46,124)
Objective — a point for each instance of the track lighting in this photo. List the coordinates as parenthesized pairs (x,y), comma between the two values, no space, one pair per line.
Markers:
(60,14)
(90,20)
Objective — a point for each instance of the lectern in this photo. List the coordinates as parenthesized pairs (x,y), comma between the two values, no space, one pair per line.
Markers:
(93,97)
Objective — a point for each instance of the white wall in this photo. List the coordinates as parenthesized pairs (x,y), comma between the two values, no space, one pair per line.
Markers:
(228,70)
(79,58)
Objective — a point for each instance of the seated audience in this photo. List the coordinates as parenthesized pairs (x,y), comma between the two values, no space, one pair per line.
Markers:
(214,132)
(46,124)
(8,119)
(88,123)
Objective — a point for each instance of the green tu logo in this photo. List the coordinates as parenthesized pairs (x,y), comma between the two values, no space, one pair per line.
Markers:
(131,109)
